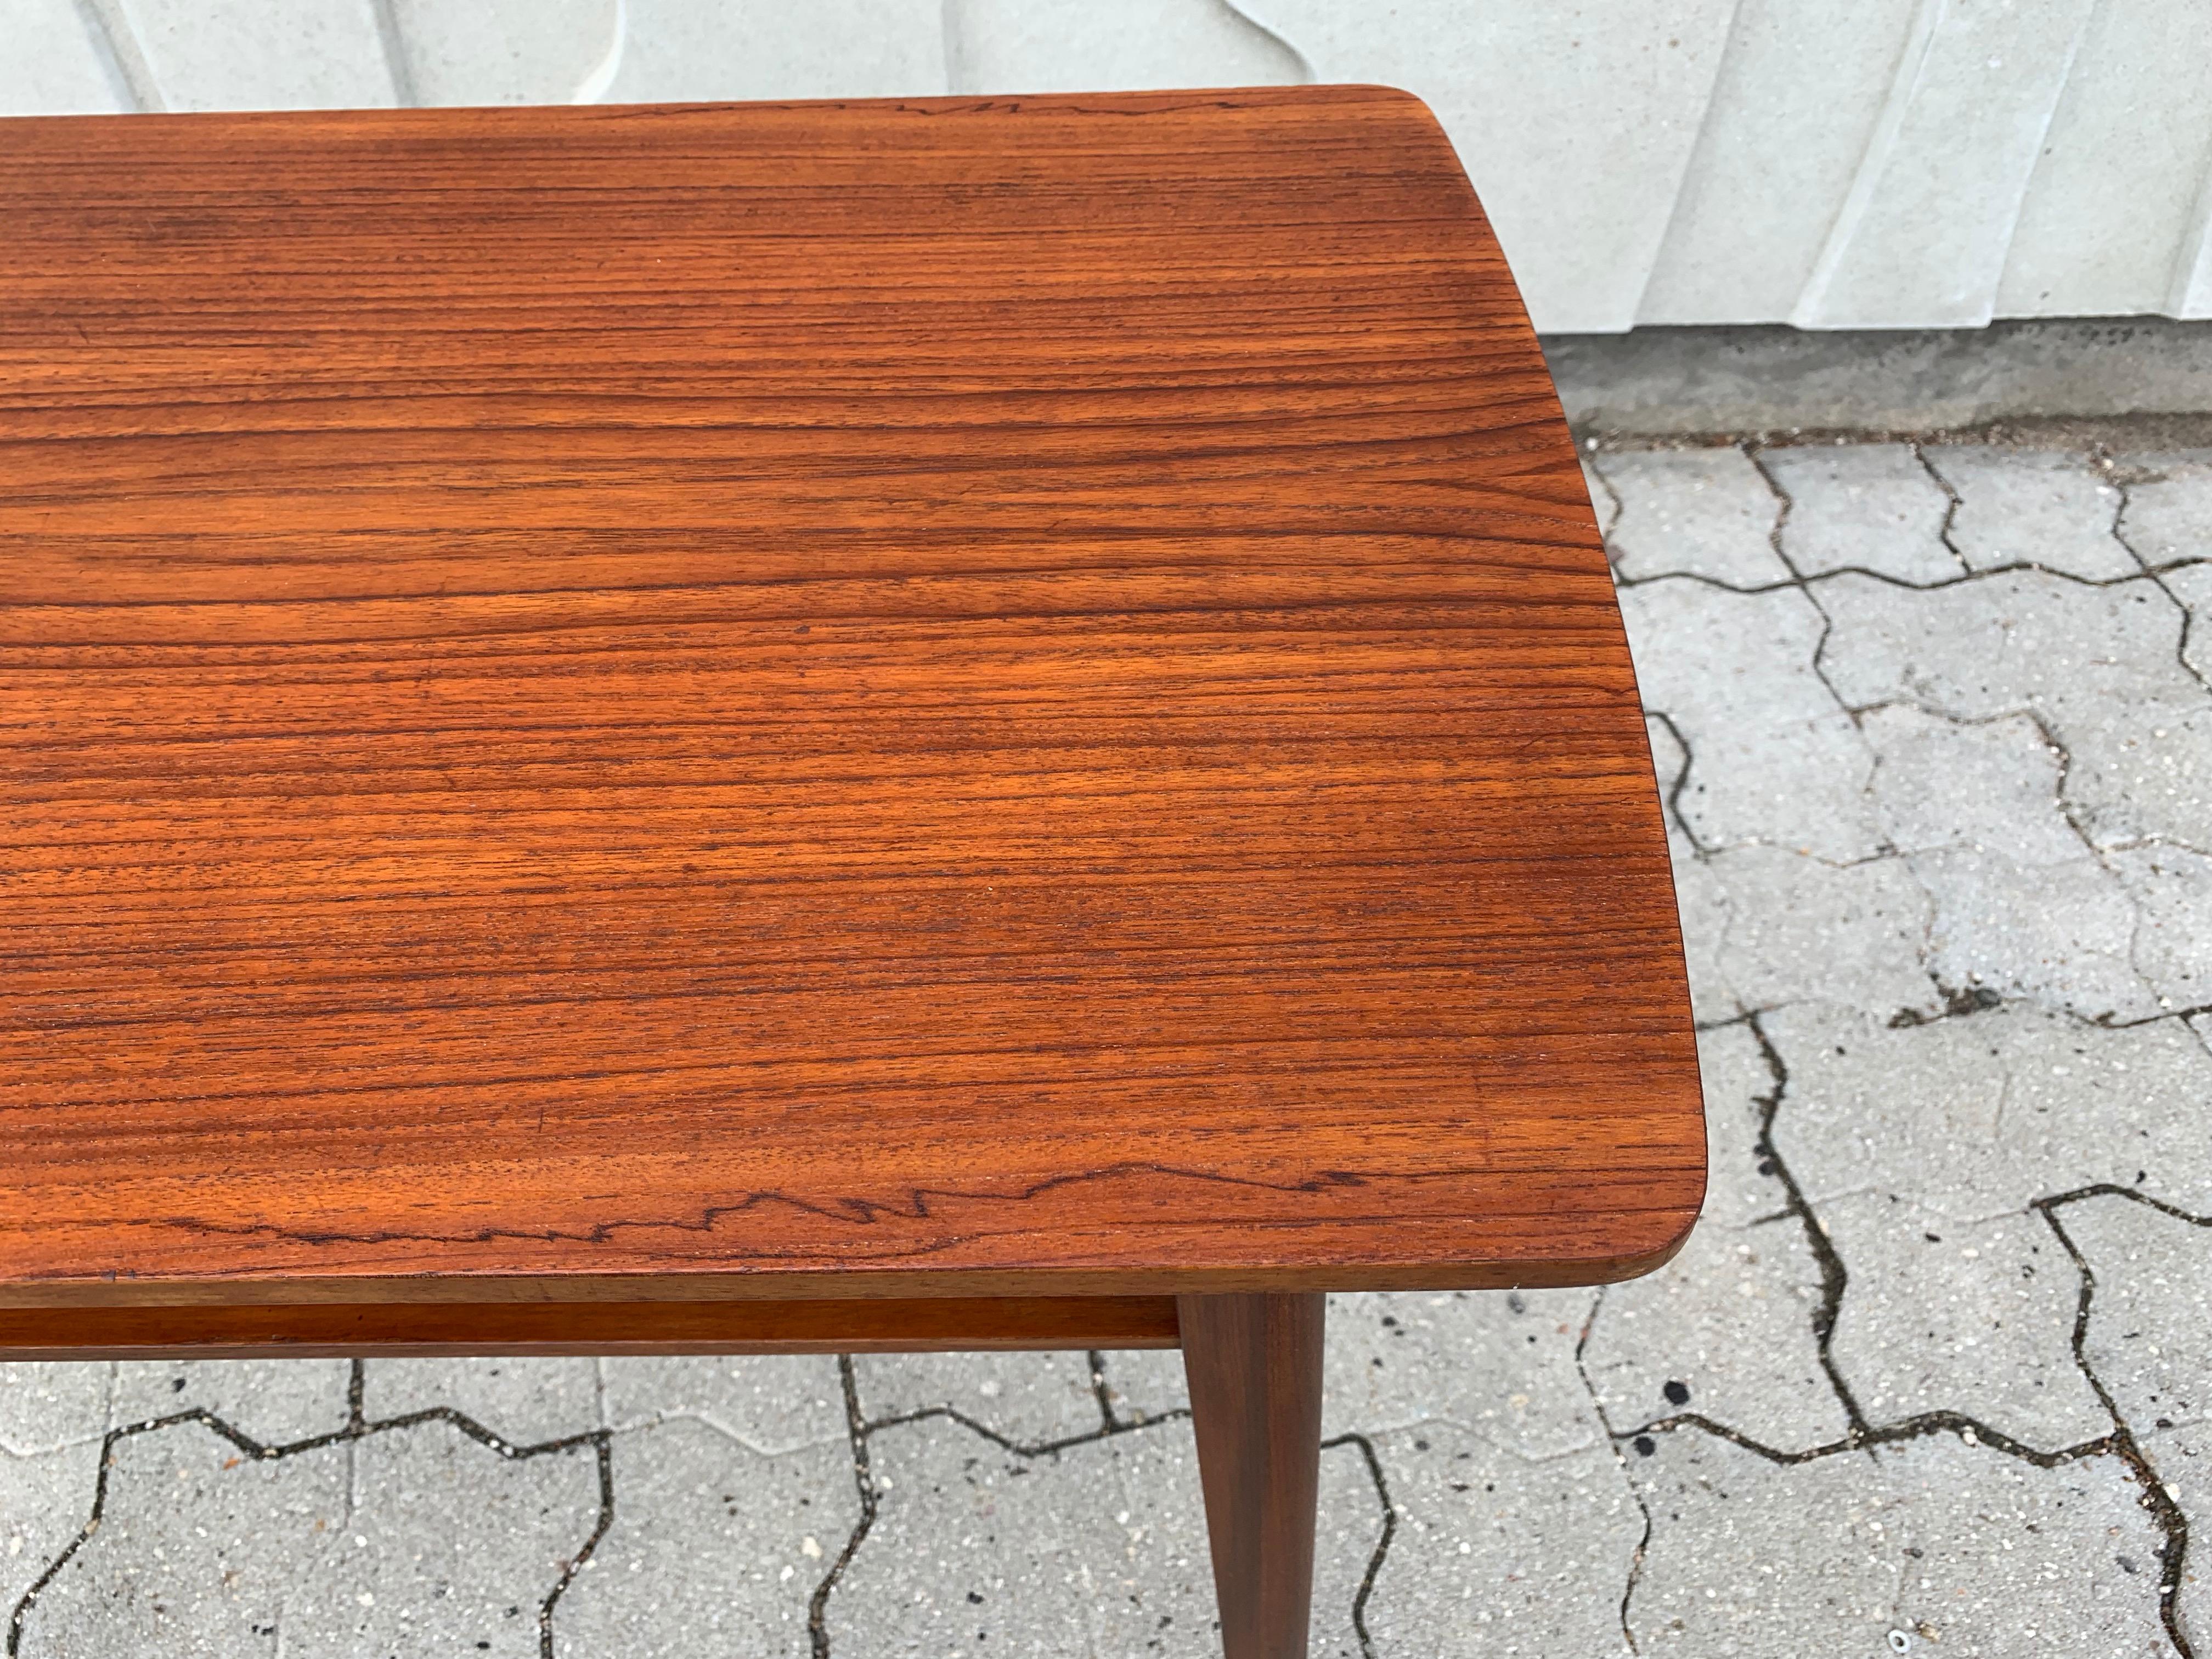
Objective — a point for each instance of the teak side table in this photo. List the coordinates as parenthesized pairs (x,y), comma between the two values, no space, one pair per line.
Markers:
(891,725)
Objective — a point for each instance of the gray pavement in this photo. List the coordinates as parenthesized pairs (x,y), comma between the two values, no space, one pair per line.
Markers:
(1933,1377)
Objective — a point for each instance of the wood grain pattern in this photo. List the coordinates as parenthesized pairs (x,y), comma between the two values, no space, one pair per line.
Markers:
(1255,1367)
(845,1325)
(951,698)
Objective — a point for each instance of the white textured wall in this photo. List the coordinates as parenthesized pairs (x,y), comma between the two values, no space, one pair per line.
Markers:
(1830,163)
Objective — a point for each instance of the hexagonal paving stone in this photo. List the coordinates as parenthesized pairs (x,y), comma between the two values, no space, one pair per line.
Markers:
(1703,512)
(2020,506)
(199,1549)
(1865,506)
(714,1547)
(1930,1546)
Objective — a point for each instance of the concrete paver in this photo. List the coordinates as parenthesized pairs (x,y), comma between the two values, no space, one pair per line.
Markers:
(1862,507)
(1495,1553)
(1971,1316)
(1699,895)
(2171,889)
(448,1547)
(1774,759)
(1983,787)
(2099,666)
(1800,928)
(1958,1299)
(2060,934)
(1099,1548)
(2020,507)
(46,1497)
(2191,588)
(275,1402)
(521,1400)
(198,1549)
(1030,1398)
(1725,1329)
(1943,852)
(1703,900)
(1708,512)
(2168,513)
(714,1547)
(45,1406)
(1498,1363)
(2149,1341)
(2008,1103)
(1950,1547)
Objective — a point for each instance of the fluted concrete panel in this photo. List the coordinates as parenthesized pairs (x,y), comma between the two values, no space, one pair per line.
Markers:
(54,61)
(1072,46)
(1575,123)
(2112,208)
(509,52)
(714,49)
(253,54)
(1921,238)
(1754,213)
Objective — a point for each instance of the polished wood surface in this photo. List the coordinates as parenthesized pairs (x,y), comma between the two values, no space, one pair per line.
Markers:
(1254,1368)
(659,705)
(844,1325)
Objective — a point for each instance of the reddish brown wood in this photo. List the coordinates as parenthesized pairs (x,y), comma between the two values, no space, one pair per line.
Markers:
(845,1325)
(1255,1365)
(958,698)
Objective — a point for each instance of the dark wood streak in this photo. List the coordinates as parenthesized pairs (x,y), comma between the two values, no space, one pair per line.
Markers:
(698,711)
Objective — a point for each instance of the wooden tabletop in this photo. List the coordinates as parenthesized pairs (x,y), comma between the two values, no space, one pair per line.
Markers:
(961,697)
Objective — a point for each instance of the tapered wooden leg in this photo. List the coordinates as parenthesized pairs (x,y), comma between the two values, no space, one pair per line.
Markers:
(1254,1368)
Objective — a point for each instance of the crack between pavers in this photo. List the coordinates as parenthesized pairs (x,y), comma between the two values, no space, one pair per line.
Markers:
(1982,999)
(2151,1491)
(1919,1426)
(2157,574)
(1104,1395)
(1787,504)
(1753,447)
(864,1482)
(1951,504)
(1382,1549)
(2155,841)
(1638,1555)
(2151,572)
(1673,792)
(358,1426)
(1834,1278)
(1619,506)
(2121,1443)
